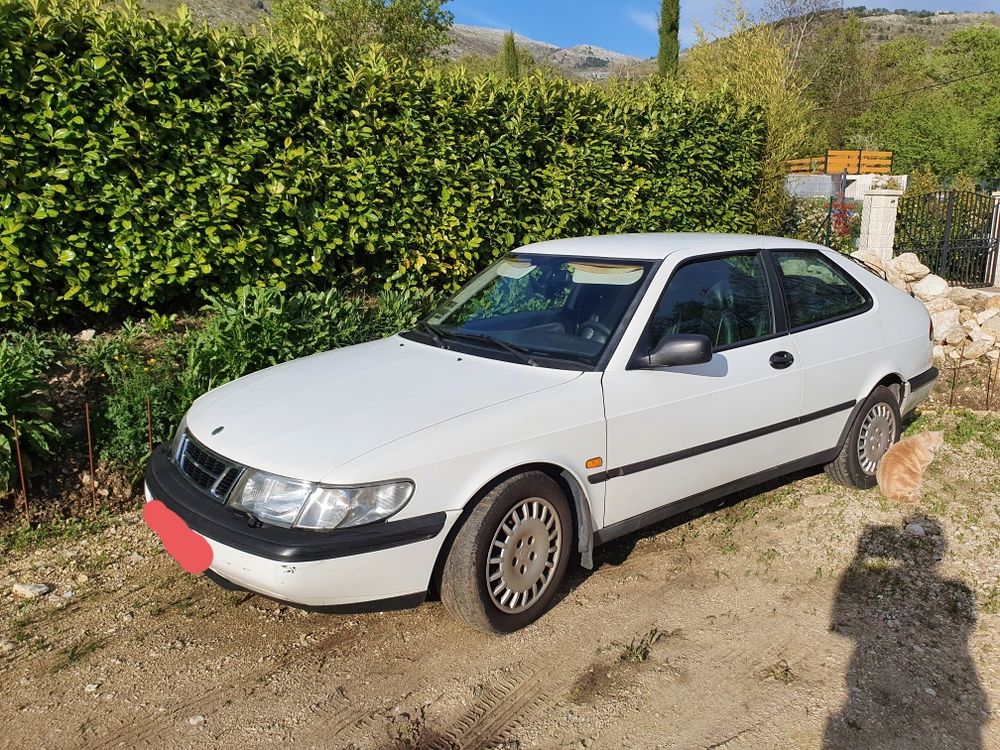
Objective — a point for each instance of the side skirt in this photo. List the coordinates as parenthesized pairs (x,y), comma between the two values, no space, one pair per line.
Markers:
(601,536)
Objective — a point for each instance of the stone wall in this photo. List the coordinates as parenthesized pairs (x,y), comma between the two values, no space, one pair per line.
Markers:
(966,322)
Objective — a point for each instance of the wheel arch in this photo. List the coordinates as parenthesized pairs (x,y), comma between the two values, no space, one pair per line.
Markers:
(579,504)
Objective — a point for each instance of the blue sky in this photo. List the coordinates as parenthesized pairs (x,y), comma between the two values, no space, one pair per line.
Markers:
(629,26)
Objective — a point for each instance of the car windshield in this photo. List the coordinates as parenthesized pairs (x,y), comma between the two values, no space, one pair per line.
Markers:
(534,307)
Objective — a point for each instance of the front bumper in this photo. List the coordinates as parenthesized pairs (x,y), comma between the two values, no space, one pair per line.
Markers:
(390,560)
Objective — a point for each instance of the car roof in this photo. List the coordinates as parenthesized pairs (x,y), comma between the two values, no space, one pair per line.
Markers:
(659,246)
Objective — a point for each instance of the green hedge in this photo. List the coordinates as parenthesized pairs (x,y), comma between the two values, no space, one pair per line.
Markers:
(146,162)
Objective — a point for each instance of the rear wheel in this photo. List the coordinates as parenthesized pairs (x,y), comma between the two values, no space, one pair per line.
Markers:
(510,555)
(876,427)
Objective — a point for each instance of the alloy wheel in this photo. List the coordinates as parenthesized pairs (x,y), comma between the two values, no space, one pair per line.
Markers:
(523,555)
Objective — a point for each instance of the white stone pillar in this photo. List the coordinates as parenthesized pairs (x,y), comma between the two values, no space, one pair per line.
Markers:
(995,235)
(878,222)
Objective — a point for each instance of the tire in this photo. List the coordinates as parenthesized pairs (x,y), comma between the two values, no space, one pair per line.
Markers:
(876,427)
(531,514)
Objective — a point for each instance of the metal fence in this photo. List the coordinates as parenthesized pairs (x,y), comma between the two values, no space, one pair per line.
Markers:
(952,232)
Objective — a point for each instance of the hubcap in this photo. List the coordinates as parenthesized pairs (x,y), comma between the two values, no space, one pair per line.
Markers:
(878,430)
(524,555)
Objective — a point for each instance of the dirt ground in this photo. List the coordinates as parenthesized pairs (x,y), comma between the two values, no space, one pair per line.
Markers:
(799,616)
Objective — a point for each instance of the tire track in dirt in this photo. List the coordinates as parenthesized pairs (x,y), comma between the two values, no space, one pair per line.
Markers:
(152,731)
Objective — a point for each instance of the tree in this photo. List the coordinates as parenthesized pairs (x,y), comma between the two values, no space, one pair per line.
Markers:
(750,62)
(799,21)
(413,29)
(509,63)
(670,18)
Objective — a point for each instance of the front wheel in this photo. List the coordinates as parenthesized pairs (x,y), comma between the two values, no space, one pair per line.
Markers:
(510,555)
(877,426)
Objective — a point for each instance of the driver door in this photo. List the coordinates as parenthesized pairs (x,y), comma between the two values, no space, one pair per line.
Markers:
(674,432)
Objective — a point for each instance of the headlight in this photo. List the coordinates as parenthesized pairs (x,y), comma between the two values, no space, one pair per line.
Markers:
(306,505)
(175,444)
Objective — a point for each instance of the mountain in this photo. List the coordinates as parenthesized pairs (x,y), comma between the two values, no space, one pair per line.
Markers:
(582,61)
(883,25)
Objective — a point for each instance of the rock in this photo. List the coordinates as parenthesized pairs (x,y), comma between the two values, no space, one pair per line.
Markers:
(944,321)
(931,692)
(929,287)
(914,529)
(965,316)
(908,266)
(977,348)
(196,721)
(992,326)
(938,352)
(86,335)
(968,298)
(92,688)
(986,315)
(954,335)
(817,501)
(940,304)
(126,617)
(993,303)
(82,578)
(30,590)
(7,646)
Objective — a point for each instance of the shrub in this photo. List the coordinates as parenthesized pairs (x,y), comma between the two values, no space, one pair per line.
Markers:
(24,360)
(147,161)
(241,333)
(257,328)
(134,367)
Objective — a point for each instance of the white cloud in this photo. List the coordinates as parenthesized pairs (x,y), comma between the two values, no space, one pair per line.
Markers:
(643,19)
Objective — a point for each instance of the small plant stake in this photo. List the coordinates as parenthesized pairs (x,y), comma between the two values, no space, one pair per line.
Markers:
(20,470)
(991,381)
(954,375)
(90,455)
(149,425)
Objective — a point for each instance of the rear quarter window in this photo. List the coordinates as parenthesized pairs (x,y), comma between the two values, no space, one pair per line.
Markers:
(816,290)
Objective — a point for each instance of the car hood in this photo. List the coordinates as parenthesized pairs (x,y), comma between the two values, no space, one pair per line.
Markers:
(306,417)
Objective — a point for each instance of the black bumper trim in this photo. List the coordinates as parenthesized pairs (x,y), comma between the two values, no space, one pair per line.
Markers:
(210,518)
(927,376)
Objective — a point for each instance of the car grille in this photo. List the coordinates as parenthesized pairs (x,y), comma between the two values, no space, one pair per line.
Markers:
(212,473)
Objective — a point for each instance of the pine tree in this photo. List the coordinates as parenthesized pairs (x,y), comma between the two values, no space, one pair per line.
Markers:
(510,64)
(670,20)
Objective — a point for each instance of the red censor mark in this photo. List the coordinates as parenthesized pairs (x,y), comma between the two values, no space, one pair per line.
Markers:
(190,550)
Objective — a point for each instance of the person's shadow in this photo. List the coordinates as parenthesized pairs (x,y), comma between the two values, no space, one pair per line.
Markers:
(911,682)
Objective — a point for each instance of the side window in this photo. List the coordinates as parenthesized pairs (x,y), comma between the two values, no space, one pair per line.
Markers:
(724,298)
(815,289)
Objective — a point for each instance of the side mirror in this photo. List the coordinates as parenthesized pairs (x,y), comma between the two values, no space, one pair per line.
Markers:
(677,350)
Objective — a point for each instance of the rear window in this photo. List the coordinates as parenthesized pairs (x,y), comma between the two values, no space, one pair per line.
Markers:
(816,290)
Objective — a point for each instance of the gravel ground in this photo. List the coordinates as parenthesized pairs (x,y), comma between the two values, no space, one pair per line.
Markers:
(803,616)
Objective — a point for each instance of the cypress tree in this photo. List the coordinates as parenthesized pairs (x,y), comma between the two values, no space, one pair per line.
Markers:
(508,57)
(670,21)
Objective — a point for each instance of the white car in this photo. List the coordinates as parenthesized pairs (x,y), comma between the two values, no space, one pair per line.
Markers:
(575,391)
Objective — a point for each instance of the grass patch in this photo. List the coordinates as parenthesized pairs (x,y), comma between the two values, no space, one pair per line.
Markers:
(75,653)
(26,538)
(639,649)
(779,672)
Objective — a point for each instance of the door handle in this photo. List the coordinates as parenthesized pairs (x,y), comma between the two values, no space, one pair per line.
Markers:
(781,360)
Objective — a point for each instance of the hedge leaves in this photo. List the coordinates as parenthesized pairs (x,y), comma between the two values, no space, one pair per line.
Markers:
(144,162)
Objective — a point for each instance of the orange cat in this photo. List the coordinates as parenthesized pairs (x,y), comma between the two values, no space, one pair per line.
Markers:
(902,467)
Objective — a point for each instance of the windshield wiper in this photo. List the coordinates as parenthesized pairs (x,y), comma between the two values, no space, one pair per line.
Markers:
(434,331)
(521,352)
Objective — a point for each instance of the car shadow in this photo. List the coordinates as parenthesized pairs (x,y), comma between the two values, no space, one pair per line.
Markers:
(616,552)
(911,681)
